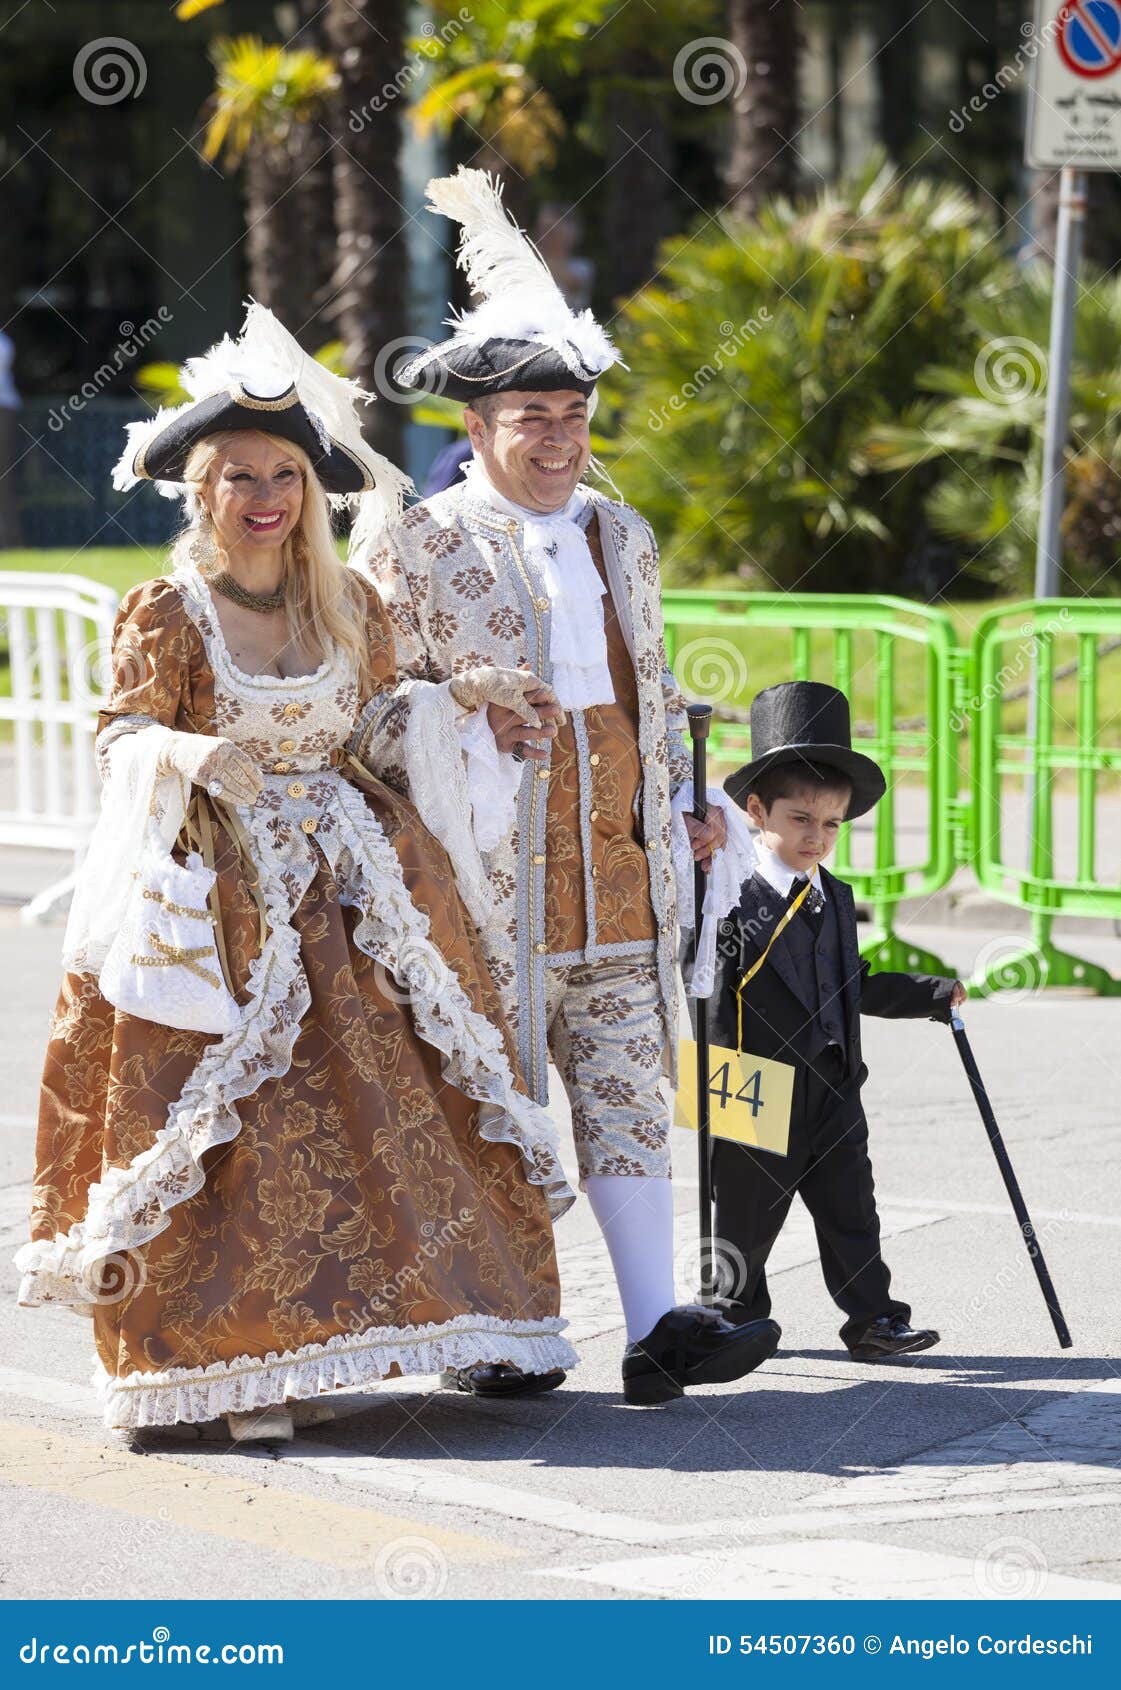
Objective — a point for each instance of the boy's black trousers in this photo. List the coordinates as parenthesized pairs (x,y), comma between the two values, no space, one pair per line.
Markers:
(829,1167)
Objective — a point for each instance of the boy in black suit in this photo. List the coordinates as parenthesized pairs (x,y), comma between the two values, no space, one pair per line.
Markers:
(802,1007)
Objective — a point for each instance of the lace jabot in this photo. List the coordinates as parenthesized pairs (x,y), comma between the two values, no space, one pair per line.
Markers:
(558,547)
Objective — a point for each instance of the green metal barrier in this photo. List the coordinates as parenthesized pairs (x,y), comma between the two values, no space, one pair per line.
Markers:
(885,654)
(1058,757)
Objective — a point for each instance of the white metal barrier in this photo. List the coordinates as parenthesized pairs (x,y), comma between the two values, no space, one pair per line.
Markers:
(58,630)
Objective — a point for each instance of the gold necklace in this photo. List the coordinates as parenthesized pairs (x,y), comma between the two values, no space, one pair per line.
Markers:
(263,603)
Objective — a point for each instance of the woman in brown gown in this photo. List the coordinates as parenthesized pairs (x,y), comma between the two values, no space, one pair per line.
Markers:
(352,1183)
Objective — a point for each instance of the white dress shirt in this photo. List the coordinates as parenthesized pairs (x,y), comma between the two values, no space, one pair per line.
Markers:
(779,875)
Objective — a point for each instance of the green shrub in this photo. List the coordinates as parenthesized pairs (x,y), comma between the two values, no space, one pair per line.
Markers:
(760,361)
(981,428)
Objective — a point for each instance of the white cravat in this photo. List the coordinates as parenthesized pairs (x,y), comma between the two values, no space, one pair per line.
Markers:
(779,875)
(558,546)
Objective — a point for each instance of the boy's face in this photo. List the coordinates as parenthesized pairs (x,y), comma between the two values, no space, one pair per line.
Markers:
(801,829)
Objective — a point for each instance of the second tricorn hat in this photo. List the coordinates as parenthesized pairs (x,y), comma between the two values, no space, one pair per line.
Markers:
(522,334)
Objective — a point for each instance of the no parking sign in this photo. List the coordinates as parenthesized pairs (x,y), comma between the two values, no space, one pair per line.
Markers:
(1074,117)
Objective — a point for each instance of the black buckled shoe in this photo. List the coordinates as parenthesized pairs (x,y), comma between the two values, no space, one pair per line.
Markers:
(693,1345)
(889,1337)
(498,1379)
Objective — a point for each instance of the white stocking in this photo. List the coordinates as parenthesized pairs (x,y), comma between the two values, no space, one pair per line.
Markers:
(635,1215)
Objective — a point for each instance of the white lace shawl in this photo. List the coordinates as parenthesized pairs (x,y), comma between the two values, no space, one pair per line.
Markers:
(133,796)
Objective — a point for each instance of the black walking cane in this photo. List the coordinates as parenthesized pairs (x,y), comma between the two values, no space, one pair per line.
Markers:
(700,720)
(1011,1184)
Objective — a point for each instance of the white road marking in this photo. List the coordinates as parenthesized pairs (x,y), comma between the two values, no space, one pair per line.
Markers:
(858,1501)
(52,1393)
(433,1482)
(954,1206)
(1072,1445)
(820,1569)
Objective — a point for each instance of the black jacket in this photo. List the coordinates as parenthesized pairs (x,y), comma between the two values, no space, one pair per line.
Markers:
(776,1018)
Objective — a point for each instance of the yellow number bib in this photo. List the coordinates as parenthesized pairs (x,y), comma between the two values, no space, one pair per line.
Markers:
(749,1096)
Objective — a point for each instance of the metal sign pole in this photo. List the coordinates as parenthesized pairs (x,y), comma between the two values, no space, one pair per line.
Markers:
(1048,552)
(1068,252)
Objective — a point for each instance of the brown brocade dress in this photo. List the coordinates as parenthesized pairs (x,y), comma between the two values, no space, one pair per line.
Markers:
(353,1183)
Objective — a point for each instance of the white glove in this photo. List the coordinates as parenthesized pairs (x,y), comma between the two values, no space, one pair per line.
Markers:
(509,688)
(223,768)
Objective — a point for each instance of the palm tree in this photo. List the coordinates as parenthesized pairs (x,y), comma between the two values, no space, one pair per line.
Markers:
(980,421)
(367,40)
(265,101)
(763,160)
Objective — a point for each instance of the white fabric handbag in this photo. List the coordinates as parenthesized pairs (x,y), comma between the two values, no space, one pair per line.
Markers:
(164,963)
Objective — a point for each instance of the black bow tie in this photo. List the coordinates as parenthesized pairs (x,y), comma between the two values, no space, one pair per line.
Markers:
(814,903)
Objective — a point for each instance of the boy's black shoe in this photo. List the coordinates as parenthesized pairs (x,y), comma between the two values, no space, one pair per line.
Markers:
(498,1379)
(890,1336)
(693,1345)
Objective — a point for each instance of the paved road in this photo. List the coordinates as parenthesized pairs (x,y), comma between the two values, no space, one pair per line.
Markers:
(988,1467)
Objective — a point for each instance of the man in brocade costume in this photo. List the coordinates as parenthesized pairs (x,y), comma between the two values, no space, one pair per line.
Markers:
(522,566)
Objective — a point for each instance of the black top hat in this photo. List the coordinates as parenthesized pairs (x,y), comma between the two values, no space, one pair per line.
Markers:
(463,370)
(163,456)
(808,722)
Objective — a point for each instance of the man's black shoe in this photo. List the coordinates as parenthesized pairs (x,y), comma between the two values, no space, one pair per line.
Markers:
(890,1336)
(498,1379)
(693,1345)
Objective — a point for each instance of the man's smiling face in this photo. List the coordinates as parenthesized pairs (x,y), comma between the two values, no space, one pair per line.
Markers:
(534,447)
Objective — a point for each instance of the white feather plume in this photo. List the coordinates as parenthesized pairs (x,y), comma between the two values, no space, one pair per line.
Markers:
(519,298)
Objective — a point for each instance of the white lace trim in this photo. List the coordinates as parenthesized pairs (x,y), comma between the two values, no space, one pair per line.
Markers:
(191,1394)
(195,590)
(129,1206)
(477,1064)
(493,780)
(732,865)
(438,789)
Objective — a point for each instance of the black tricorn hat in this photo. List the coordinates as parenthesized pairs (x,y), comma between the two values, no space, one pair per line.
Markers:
(464,370)
(163,455)
(807,722)
(522,334)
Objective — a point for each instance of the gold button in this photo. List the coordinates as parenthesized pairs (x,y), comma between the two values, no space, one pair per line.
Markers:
(542,774)
(595,815)
(594,759)
(542,604)
(297,789)
(282,768)
(539,857)
(290,712)
(650,845)
(288,745)
(309,824)
(541,949)
(648,761)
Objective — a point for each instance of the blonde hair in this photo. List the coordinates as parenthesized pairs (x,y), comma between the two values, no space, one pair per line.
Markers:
(324,599)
